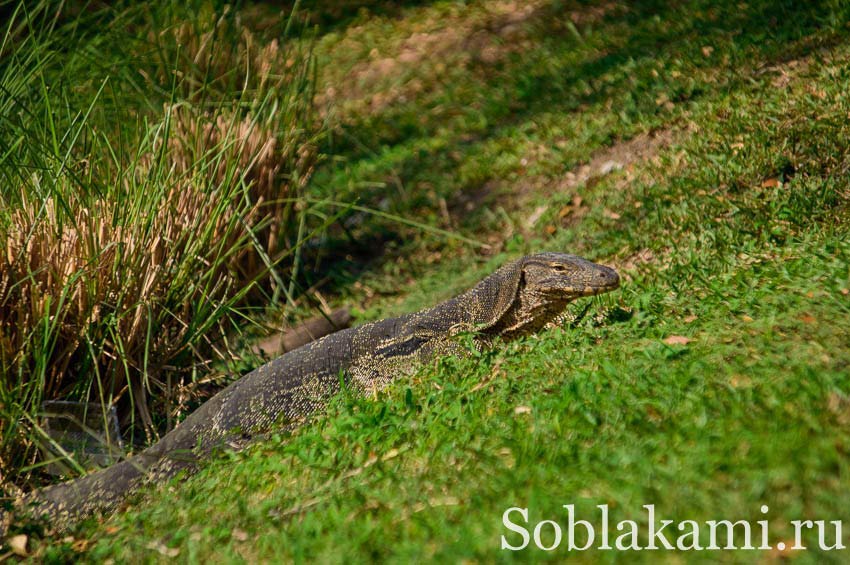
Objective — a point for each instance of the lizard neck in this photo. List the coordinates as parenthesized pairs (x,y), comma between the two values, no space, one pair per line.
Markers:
(479,308)
(529,313)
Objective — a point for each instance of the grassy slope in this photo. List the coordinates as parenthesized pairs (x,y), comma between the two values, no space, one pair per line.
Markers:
(735,237)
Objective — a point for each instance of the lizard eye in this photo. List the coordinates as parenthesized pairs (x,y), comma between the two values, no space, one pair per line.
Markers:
(560,268)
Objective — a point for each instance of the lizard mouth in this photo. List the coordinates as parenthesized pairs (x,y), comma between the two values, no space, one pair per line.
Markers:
(594,290)
(598,281)
(591,291)
(580,292)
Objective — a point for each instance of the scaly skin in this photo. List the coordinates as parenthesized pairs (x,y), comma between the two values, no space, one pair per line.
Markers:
(518,299)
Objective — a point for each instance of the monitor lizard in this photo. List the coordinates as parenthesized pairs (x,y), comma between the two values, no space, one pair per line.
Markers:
(518,299)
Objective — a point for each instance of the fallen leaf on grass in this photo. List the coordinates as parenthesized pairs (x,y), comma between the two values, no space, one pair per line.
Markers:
(839,405)
(163,549)
(609,214)
(677,340)
(834,402)
(436,502)
(81,545)
(740,381)
(522,410)
(653,414)
(239,535)
(689,319)
(807,318)
(770,183)
(609,167)
(532,219)
(18,545)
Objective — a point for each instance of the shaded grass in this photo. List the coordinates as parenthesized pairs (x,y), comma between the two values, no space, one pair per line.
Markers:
(547,101)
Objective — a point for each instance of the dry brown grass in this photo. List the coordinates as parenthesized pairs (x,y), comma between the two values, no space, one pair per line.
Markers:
(107,294)
(275,167)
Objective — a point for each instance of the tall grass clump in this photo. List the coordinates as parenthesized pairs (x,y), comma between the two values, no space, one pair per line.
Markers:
(153,161)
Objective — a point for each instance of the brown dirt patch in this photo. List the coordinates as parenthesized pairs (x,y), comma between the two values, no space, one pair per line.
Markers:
(622,155)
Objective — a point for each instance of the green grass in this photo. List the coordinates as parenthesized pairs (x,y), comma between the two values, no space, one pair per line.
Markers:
(550,96)
(735,236)
(706,431)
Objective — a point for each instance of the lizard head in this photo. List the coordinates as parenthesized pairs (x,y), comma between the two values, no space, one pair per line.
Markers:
(559,277)
(544,284)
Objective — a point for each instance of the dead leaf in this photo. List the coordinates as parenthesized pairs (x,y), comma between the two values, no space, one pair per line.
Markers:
(18,545)
(689,319)
(740,381)
(833,403)
(746,318)
(844,291)
(550,229)
(81,545)
(609,167)
(807,318)
(564,212)
(163,549)
(609,214)
(839,405)
(707,50)
(532,219)
(522,410)
(677,340)
(816,91)
(239,535)
(770,183)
